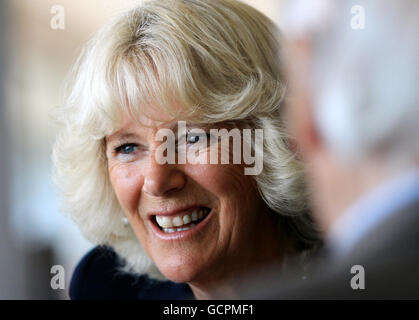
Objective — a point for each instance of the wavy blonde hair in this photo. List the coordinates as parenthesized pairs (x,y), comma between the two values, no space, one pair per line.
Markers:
(220,59)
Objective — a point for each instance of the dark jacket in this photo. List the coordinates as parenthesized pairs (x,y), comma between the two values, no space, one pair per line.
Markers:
(389,255)
(98,277)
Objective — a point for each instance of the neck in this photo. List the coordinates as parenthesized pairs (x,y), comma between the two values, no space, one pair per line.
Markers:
(338,187)
(206,291)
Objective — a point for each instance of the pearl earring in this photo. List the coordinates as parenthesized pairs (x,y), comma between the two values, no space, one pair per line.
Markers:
(125,222)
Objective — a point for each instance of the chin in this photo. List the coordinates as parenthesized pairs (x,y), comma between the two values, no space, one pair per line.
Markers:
(180,270)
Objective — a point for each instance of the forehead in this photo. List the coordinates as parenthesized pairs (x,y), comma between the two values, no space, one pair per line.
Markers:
(142,123)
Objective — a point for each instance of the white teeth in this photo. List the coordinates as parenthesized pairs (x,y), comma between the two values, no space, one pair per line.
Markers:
(168,224)
(177,221)
(186,219)
(164,222)
(194,215)
(170,230)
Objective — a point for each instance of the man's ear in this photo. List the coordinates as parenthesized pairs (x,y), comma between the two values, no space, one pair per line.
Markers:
(306,131)
(300,115)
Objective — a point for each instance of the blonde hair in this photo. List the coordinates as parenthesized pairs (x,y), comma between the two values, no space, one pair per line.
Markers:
(217,58)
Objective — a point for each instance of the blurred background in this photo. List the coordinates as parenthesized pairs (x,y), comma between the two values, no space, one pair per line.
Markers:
(35,57)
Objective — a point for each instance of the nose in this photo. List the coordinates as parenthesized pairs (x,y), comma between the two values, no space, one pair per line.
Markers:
(162,179)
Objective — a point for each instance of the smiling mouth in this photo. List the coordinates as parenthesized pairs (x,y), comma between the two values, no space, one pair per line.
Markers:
(181,222)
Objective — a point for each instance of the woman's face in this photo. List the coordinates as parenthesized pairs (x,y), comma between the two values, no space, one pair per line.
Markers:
(197,222)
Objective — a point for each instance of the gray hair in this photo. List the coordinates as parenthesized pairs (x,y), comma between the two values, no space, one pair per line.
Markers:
(364,81)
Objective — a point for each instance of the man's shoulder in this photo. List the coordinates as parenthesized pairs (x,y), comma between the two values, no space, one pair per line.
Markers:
(395,238)
(385,261)
(99,276)
(383,265)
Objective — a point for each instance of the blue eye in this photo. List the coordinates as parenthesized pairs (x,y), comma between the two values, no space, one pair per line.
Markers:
(126,148)
(194,138)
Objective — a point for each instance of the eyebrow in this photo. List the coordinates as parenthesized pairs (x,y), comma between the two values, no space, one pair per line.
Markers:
(131,135)
(122,136)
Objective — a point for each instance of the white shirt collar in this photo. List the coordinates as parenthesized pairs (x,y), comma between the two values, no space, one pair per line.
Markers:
(371,210)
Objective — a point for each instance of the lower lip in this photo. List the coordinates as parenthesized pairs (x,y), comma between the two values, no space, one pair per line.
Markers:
(181,235)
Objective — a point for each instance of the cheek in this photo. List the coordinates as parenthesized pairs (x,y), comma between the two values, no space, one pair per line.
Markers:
(224,180)
(220,179)
(127,183)
(227,182)
(237,199)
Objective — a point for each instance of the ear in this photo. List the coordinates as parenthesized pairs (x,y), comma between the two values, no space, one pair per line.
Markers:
(304,127)
(300,116)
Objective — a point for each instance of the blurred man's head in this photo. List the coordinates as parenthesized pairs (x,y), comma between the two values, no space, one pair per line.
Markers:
(354,102)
